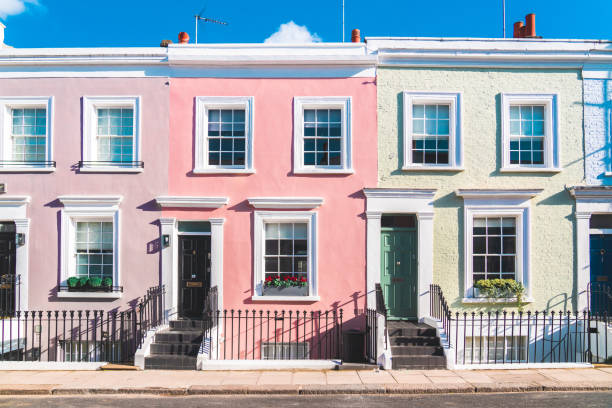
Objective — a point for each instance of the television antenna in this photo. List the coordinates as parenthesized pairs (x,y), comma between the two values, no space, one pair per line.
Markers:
(199,17)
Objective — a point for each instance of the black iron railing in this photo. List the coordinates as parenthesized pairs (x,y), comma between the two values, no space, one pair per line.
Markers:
(110,163)
(599,295)
(503,337)
(372,317)
(10,293)
(27,163)
(273,335)
(80,335)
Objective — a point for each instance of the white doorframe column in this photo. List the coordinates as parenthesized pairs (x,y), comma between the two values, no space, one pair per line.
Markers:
(381,201)
(168,227)
(216,258)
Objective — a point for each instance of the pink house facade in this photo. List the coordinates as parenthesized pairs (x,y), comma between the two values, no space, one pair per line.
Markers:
(267,166)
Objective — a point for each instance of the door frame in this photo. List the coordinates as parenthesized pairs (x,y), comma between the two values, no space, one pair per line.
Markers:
(402,229)
(419,202)
(170,254)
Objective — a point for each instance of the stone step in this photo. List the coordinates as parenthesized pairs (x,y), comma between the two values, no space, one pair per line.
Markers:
(414,341)
(182,336)
(420,361)
(170,362)
(411,331)
(186,324)
(190,349)
(416,351)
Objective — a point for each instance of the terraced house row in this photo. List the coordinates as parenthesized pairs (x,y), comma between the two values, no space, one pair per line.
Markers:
(322,201)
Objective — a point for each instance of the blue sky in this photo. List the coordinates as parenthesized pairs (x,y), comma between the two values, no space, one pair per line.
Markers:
(72,23)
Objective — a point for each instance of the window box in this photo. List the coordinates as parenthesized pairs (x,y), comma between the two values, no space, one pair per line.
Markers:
(288,291)
(88,289)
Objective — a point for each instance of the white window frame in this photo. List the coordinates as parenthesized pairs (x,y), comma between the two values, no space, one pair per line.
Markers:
(6,105)
(552,148)
(498,203)
(85,209)
(455,138)
(90,106)
(203,104)
(259,242)
(343,103)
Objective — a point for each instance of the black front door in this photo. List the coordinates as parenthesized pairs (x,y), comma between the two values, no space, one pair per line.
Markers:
(7,273)
(194,274)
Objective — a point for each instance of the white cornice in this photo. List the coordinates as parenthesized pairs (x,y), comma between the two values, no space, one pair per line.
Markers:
(399,193)
(307,203)
(594,192)
(191,202)
(82,56)
(14,200)
(74,200)
(497,193)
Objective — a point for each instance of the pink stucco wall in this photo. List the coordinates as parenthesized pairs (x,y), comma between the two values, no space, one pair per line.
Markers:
(139,255)
(341,219)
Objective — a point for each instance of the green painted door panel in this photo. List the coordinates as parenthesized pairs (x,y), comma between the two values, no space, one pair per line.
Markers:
(399,273)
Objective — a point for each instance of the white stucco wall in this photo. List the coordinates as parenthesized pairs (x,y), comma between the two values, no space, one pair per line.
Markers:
(552,227)
(598,150)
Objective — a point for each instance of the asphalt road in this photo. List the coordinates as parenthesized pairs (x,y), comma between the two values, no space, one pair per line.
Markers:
(517,400)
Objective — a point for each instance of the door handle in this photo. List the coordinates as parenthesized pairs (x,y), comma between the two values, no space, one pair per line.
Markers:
(398,263)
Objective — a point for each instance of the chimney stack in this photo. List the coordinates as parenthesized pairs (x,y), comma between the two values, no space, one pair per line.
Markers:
(183,38)
(526,31)
(356,36)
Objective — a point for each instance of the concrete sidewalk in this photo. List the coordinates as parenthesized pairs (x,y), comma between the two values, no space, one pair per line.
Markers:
(302,382)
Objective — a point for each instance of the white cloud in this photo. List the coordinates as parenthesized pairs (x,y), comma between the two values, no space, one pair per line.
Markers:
(291,33)
(13,7)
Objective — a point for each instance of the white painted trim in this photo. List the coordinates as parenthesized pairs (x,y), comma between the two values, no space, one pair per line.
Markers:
(499,203)
(400,201)
(455,139)
(170,259)
(191,202)
(322,102)
(14,208)
(89,131)
(268,365)
(600,231)
(306,203)
(50,366)
(479,300)
(86,208)
(552,141)
(260,218)
(590,193)
(520,366)
(90,295)
(8,103)
(295,299)
(110,169)
(145,349)
(203,104)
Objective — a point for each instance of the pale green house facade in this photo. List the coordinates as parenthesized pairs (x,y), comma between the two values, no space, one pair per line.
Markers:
(480,142)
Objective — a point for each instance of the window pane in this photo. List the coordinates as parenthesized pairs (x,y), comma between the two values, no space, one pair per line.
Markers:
(94,248)
(286,249)
(28,130)
(499,235)
(527,121)
(322,137)
(226,131)
(426,149)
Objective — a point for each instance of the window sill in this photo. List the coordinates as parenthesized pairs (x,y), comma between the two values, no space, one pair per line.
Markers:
(608,174)
(110,169)
(89,295)
(529,170)
(431,168)
(26,169)
(494,300)
(323,171)
(213,170)
(259,298)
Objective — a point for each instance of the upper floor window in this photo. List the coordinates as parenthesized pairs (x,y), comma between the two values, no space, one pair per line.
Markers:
(224,135)
(26,142)
(432,132)
(111,134)
(322,135)
(529,133)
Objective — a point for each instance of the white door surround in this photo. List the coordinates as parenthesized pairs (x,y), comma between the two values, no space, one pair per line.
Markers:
(589,201)
(381,201)
(14,209)
(170,256)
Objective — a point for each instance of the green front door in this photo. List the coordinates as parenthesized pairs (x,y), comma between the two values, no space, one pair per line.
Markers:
(399,278)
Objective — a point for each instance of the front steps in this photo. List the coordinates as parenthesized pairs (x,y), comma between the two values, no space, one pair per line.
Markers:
(176,348)
(415,346)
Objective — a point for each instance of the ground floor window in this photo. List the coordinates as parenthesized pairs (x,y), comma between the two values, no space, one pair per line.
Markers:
(494,248)
(491,349)
(94,249)
(286,254)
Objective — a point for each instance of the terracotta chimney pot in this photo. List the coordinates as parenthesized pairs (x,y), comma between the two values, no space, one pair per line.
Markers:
(356,36)
(183,37)
(530,28)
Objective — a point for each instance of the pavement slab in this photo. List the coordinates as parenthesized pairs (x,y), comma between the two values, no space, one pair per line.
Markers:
(376,377)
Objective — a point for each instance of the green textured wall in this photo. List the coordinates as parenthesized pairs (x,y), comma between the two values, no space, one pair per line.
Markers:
(552,226)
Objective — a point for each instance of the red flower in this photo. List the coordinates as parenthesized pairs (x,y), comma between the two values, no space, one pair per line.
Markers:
(303,280)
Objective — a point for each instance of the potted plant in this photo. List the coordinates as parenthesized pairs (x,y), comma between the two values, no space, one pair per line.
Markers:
(107,284)
(285,286)
(507,289)
(95,283)
(73,283)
